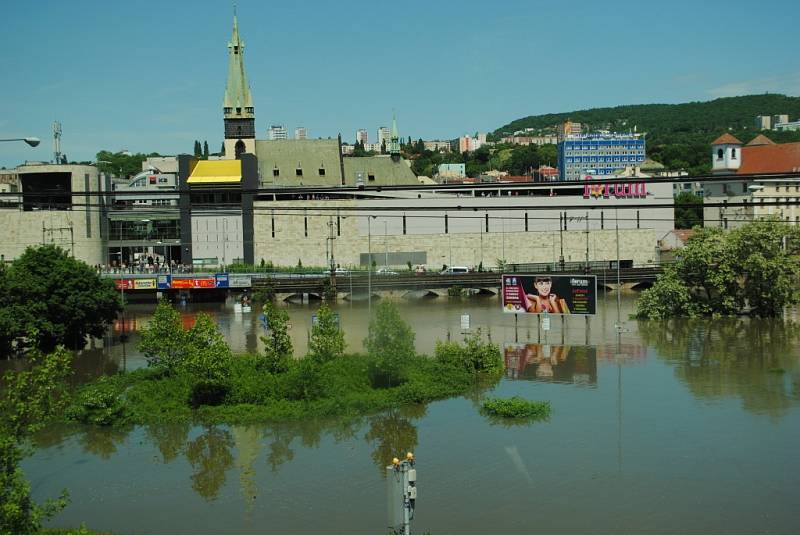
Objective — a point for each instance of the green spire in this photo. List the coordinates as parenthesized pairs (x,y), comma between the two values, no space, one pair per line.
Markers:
(238,102)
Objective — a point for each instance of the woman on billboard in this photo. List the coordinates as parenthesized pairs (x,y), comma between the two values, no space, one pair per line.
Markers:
(545,300)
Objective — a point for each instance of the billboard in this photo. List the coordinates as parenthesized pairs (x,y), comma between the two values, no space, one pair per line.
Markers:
(205,282)
(144,284)
(549,294)
(123,284)
(239,281)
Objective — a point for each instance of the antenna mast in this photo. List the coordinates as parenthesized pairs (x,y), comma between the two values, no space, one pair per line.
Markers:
(57,142)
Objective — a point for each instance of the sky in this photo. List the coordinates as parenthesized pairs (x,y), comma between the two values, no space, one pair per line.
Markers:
(149,76)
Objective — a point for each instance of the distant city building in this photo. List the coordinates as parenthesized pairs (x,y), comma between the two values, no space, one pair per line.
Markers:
(600,154)
(568,128)
(778,119)
(547,173)
(469,143)
(277,131)
(763,122)
(531,140)
(162,164)
(347,149)
(362,136)
(384,136)
(437,146)
(375,147)
(787,126)
(452,170)
(300,133)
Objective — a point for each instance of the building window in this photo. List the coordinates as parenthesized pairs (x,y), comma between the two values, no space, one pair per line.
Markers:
(338,225)
(486,217)
(602,221)
(321,171)
(719,154)
(371,177)
(445,224)
(273,225)
(276,172)
(526,221)
(305,226)
(298,172)
(733,153)
(637,218)
(404,223)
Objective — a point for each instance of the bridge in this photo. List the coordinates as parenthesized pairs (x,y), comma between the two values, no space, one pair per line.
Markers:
(358,282)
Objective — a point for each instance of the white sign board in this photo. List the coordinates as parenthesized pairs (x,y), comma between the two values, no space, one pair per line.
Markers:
(464,322)
(545,323)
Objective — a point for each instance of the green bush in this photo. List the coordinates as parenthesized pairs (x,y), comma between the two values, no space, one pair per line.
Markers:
(208,393)
(390,344)
(327,340)
(98,404)
(278,352)
(516,408)
(474,355)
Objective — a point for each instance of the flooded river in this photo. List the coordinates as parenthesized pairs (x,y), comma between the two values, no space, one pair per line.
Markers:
(679,426)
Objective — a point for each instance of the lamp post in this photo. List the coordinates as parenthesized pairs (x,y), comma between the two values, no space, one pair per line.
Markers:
(369,266)
(386,244)
(32,141)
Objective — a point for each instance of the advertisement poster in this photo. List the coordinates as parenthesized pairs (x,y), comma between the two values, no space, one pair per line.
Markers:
(164,282)
(144,284)
(239,281)
(123,284)
(549,294)
(207,282)
(222,280)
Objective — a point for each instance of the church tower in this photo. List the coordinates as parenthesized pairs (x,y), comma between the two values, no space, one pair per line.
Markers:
(238,110)
(726,155)
(394,143)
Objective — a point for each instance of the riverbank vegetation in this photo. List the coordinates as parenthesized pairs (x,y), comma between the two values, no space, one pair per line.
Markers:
(49,298)
(516,408)
(750,270)
(193,375)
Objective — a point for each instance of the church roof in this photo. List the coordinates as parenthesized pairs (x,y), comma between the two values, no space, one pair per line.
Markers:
(237,91)
(385,170)
(726,139)
(760,139)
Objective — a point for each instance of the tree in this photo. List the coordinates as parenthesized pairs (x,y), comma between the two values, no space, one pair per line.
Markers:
(122,164)
(208,358)
(27,399)
(327,340)
(277,343)
(205,150)
(688,210)
(60,298)
(390,344)
(748,270)
(383,146)
(198,151)
(163,341)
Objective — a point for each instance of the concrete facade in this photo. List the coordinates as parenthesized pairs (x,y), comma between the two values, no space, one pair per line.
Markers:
(74,225)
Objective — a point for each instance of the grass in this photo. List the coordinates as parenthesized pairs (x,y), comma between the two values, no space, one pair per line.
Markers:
(516,408)
(342,387)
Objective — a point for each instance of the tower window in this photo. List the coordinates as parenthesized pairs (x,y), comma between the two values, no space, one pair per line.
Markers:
(228,110)
(719,154)
(298,172)
(371,177)
(733,152)
(321,171)
(238,110)
(276,172)
(249,110)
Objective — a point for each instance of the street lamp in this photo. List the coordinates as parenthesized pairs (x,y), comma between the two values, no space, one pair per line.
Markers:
(32,141)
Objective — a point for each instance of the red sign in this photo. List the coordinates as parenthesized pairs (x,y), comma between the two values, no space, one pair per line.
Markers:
(633,190)
(123,284)
(180,284)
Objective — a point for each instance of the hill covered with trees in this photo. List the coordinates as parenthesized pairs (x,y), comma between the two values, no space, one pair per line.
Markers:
(678,135)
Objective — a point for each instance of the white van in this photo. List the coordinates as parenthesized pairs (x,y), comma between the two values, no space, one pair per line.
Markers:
(455,270)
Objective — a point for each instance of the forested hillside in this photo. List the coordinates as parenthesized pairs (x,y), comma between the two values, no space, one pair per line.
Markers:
(678,135)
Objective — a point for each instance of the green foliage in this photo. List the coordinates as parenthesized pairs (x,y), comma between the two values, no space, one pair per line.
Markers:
(278,351)
(208,358)
(27,400)
(688,210)
(516,407)
(327,340)
(61,299)
(474,356)
(390,343)
(164,342)
(98,404)
(120,164)
(747,270)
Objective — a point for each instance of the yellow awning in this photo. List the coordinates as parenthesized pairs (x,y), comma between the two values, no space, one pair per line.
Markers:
(216,172)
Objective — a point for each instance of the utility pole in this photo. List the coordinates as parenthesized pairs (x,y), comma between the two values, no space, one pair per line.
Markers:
(402,486)
(332,237)
(562,222)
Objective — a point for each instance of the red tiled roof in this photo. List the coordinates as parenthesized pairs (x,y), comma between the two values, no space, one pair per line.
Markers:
(726,139)
(760,139)
(783,158)
(510,178)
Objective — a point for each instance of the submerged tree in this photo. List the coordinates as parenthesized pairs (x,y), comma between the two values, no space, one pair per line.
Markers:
(163,341)
(751,270)
(62,299)
(277,343)
(327,340)
(390,344)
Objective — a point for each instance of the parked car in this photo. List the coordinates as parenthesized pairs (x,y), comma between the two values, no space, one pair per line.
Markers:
(385,271)
(455,270)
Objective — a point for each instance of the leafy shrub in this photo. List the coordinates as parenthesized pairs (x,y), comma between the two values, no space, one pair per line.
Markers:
(164,342)
(474,356)
(516,407)
(327,340)
(277,344)
(208,393)
(98,404)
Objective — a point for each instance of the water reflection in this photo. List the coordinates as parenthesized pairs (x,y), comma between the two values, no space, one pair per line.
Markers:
(547,362)
(751,359)
(210,457)
(393,434)
(170,439)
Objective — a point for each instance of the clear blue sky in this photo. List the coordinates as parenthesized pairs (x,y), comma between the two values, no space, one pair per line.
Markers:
(149,76)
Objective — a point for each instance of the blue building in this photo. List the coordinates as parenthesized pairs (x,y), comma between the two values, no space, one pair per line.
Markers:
(599,154)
